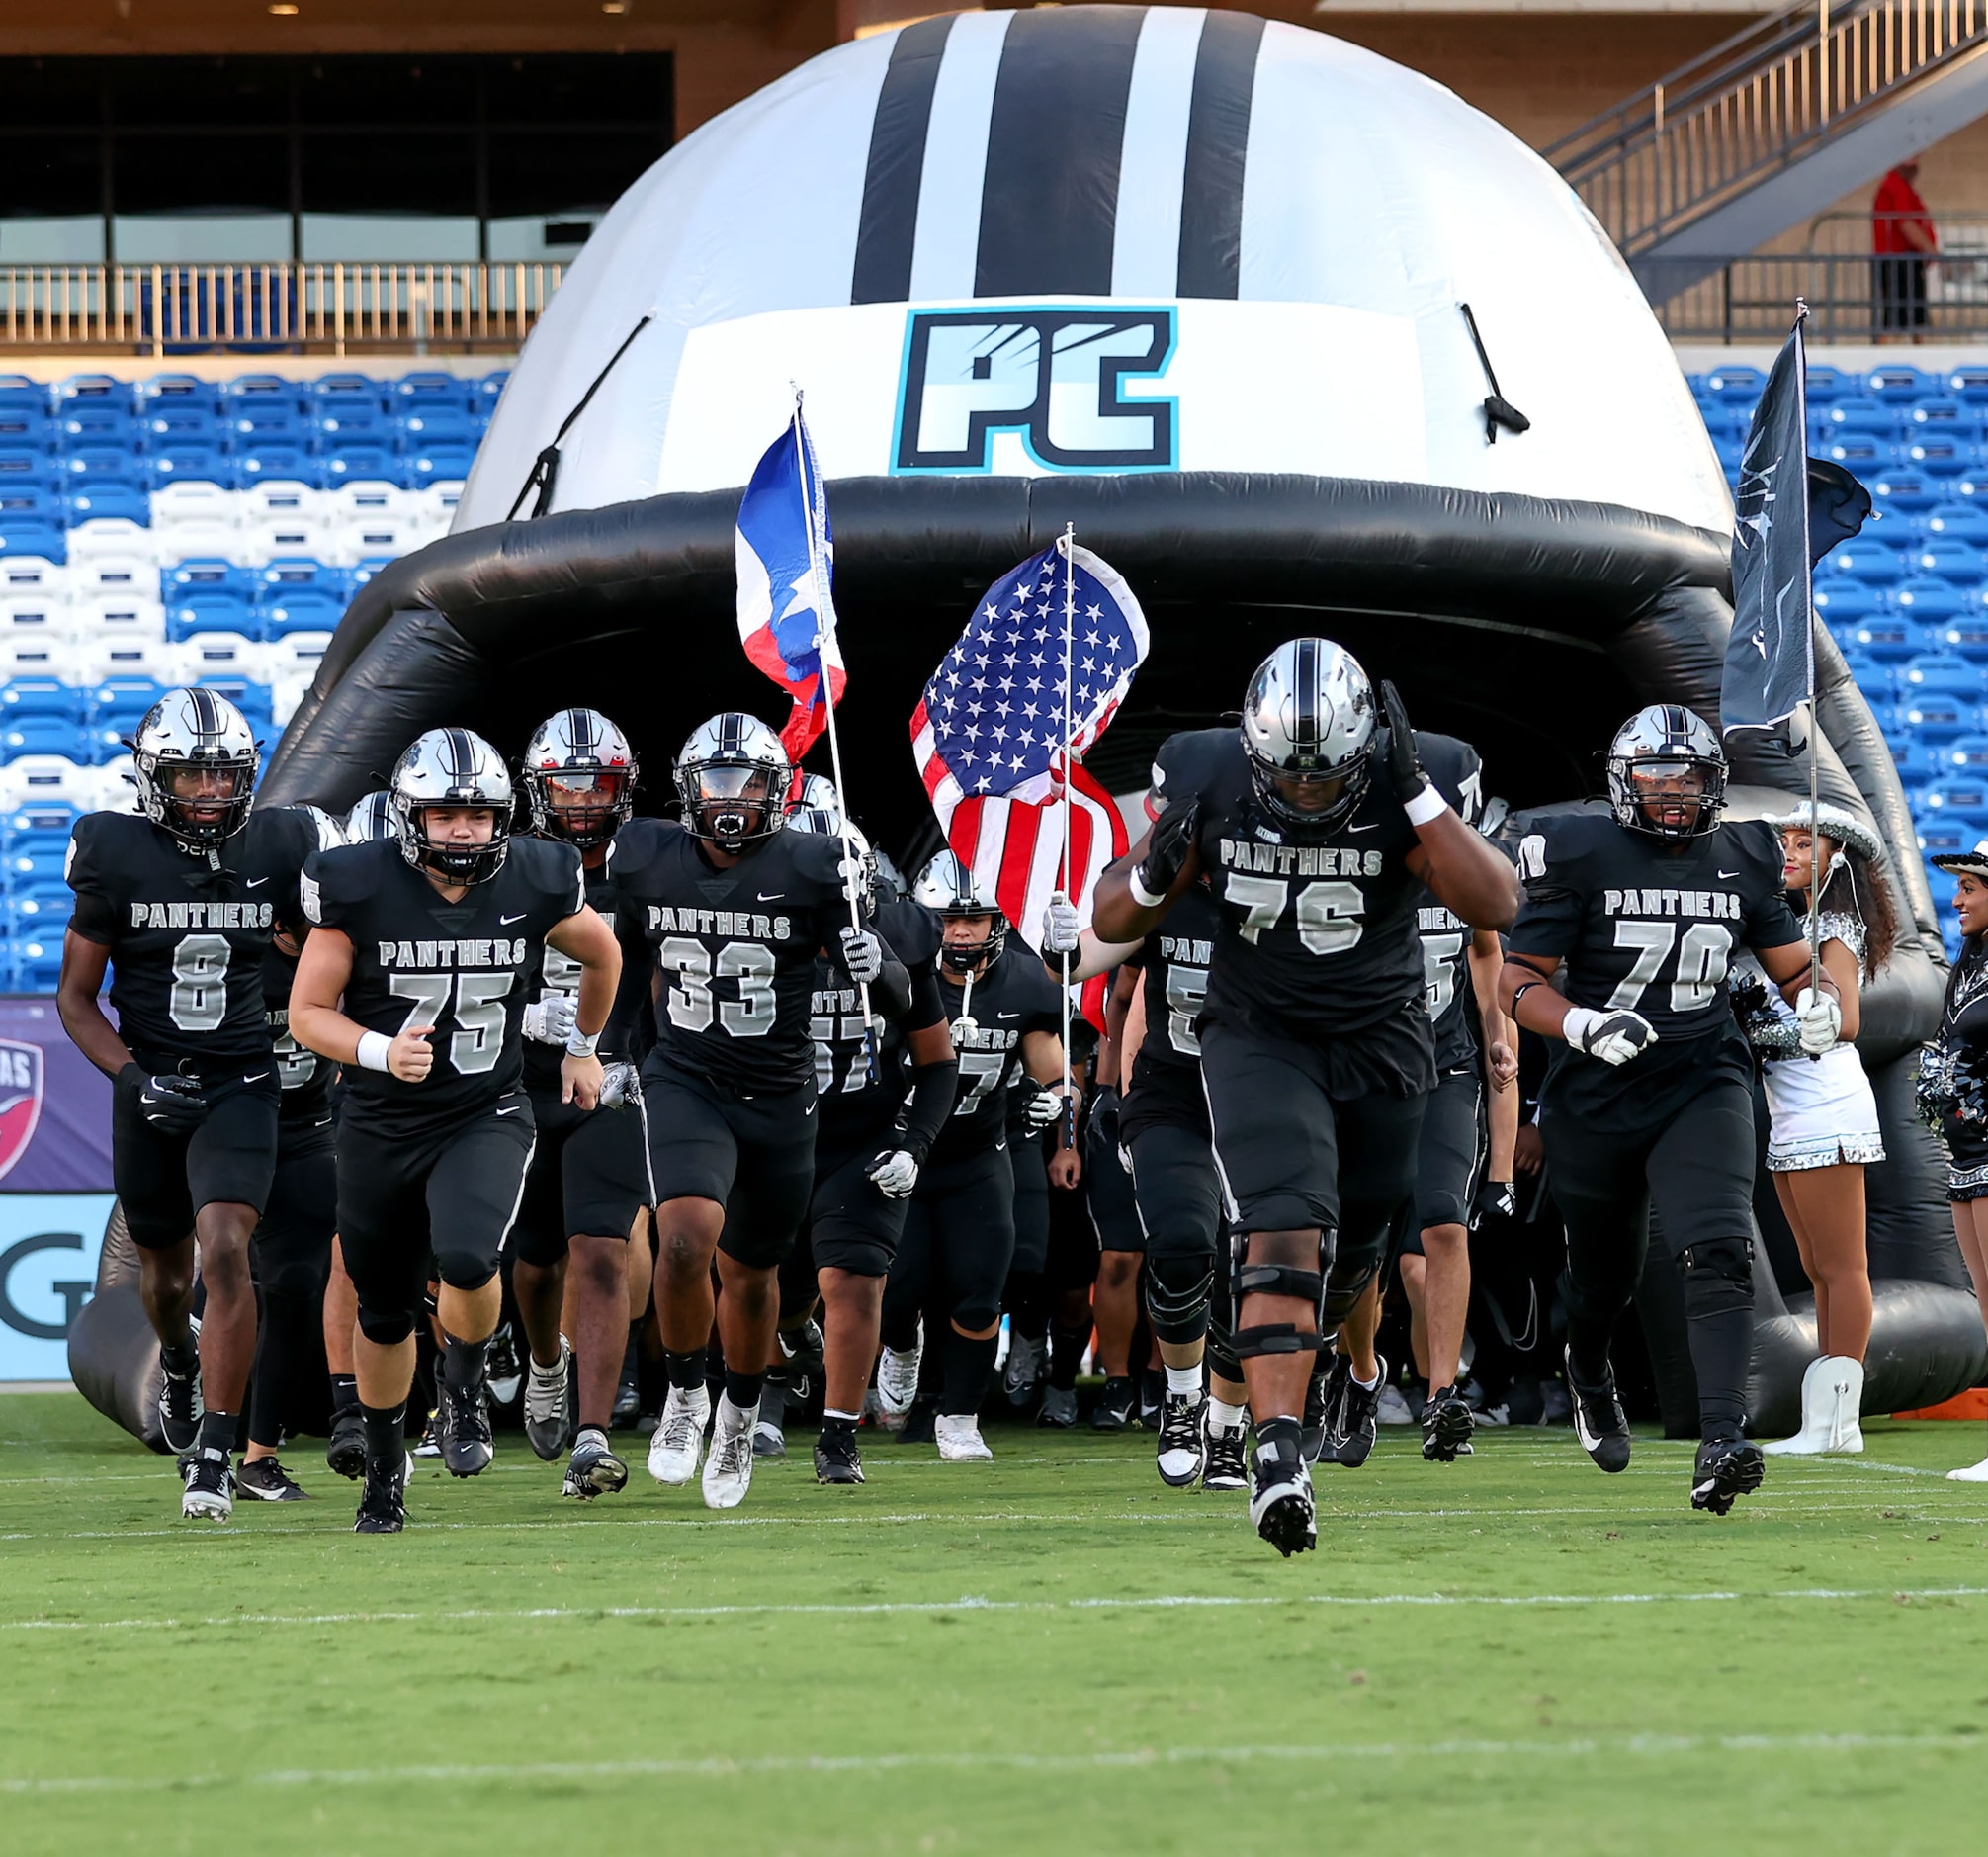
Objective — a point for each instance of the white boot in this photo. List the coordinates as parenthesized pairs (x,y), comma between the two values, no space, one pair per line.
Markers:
(1840,1383)
(1818,1410)
(1974,1473)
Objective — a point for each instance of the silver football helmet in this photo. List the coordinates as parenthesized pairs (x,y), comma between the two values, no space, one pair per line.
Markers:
(823,823)
(948,888)
(193,760)
(733,778)
(578,774)
(1667,773)
(818,792)
(451,767)
(371,818)
(1308,730)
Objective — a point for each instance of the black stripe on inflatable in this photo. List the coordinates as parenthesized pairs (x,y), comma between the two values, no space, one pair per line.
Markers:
(896,166)
(1050,208)
(1218,140)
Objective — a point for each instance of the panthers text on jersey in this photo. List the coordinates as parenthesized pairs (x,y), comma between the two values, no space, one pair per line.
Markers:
(1650,926)
(561,973)
(187,934)
(856,1106)
(418,959)
(1012,997)
(1319,931)
(304,1076)
(736,948)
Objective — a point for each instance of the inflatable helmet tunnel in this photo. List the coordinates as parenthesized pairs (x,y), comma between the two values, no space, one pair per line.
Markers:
(1296,339)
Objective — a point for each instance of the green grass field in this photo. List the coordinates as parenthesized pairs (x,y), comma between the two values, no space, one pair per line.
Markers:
(1049,1653)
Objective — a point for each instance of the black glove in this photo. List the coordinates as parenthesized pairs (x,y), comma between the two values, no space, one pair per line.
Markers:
(1166,850)
(173,1105)
(1495,1199)
(1100,1110)
(1403,756)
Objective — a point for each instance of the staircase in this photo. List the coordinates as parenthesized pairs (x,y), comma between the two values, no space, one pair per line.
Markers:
(1765,130)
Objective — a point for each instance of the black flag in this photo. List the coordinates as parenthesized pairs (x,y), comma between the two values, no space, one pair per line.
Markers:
(1769,668)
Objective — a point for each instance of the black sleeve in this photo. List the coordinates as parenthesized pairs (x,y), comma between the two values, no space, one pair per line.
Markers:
(95,919)
(1042,1011)
(1458,774)
(95,914)
(891,991)
(926,1009)
(1553,908)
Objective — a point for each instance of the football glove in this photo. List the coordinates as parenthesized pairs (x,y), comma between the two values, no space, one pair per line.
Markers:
(894,1172)
(1059,928)
(171,1103)
(620,1085)
(862,956)
(1614,1037)
(1044,1107)
(1820,1020)
(1497,1199)
(551,1019)
(1166,850)
(1403,755)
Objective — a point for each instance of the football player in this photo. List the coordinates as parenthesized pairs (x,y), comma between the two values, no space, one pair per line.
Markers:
(724,916)
(414,980)
(1632,916)
(590,1174)
(180,902)
(1313,829)
(883,1101)
(959,1235)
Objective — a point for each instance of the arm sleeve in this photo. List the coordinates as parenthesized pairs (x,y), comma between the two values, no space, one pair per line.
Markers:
(95,916)
(891,991)
(933,1087)
(1550,916)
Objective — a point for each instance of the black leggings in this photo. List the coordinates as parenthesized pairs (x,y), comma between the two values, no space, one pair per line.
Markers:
(958,1243)
(292,1256)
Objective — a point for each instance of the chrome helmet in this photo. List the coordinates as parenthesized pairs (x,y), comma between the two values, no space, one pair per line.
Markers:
(371,818)
(193,760)
(1667,773)
(451,767)
(578,774)
(948,888)
(823,823)
(733,778)
(1308,722)
(817,791)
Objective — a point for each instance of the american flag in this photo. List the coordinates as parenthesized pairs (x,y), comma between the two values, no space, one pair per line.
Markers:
(988,733)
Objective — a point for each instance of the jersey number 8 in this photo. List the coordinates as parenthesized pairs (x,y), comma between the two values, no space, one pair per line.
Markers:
(198,998)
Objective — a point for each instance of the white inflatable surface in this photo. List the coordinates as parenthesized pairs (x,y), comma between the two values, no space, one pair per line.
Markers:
(1014,244)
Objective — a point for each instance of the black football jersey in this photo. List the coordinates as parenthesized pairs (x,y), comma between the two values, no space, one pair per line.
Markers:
(736,948)
(561,973)
(1319,934)
(187,932)
(1173,965)
(1650,926)
(1012,997)
(1452,999)
(855,1104)
(418,959)
(304,1076)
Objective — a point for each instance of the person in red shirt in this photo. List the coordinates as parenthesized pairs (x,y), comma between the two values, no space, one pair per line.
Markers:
(1902,239)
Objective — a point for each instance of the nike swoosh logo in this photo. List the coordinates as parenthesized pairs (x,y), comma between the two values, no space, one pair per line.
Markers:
(506,920)
(771,896)
(809,1111)
(257,1078)
(1372,825)
(255,883)
(1008,1015)
(512,1110)
(1729,873)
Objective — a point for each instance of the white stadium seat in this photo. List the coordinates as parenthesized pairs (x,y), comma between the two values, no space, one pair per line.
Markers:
(29,616)
(95,622)
(30,574)
(129,657)
(112,788)
(119,577)
(204,505)
(216,654)
(50,778)
(110,535)
(38,655)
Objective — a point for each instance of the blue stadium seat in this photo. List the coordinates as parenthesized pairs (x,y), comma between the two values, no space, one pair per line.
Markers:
(30,862)
(94,389)
(1964,794)
(1944,671)
(1871,416)
(1968,751)
(1908,489)
(252,699)
(450,425)
(192,464)
(288,463)
(442,464)
(1966,634)
(23,431)
(248,391)
(1931,600)
(1946,416)
(207,611)
(25,499)
(24,463)
(1951,560)
(347,392)
(89,423)
(166,393)
(491,387)
(42,735)
(176,425)
(306,610)
(122,702)
(40,696)
(1901,384)
(339,426)
(1864,452)
(1888,637)
(1868,561)
(1940,837)
(1734,384)
(93,464)
(429,390)
(38,964)
(27,538)
(110,497)
(18,393)
(1970,385)
(42,817)
(263,426)
(1943,455)
(1918,764)
(207,574)
(1940,716)
(361,464)
(1825,386)
(1957,521)
(1877,681)
(299,573)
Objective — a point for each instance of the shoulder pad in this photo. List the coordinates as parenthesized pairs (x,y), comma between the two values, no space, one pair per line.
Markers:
(911,930)
(635,845)
(815,855)
(1551,849)
(1187,762)
(550,865)
(1455,769)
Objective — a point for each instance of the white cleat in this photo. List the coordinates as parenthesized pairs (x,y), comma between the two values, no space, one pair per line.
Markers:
(728,1471)
(1974,1473)
(959,1439)
(546,1417)
(898,1384)
(678,1438)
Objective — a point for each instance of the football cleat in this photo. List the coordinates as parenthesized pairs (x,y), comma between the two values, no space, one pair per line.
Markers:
(958,1435)
(268,1481)
(1393,1408)
(1356,1423)
(593,1470)
(429,1445)
(920,1426)
(383,1498)
(1446,1425)
(678,1438)
(1059,1409)
(180,1403)
(1182,1446)
(1226,1466)
(1113,1411)
(1727,1469)
(805,1350)
(627,1393)
(210,1486)
(463,1427)
(503,1372)
(546,1420)
(898,1384)
(1281,1509)
(1598,1421)
(836,1458)
(1021,1373)
(769,1438)
(1322,1391)
(346,1453)
(728,1471)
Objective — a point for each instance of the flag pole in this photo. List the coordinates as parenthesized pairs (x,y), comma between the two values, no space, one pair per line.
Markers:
(1808,609)
(1068,654)
(817,563)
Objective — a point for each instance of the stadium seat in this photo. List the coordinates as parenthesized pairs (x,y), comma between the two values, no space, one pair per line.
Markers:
(1864,452)
(205,503)
(119,704)
(429,390)
(169,393)
(1943,455)
(248,393)
(339,426)
(1824,385)
(46,819)
(288,463)
(1871,417)
(32,433)
(89,423)
(176,462)
(91,465)
(1888,637)
(1964,794)
(114,498)
(27,655)
(208,573)
(19,393)
(271,423)
(442,464)
(1877,681)
(23,617)
(346,388)
(111,536)
(44,695)
(1901,384)
(1940,716)
(42,735)
(309,609)
(295,655)
(1868,561)
(298,573)
(1970,385)
(109,575)
(111,617)
(1943,672)
(362,464)
(1950,559)
(94,389)
(33,778)
(1931,600)
(1909,490)
(105,660)
(212,611)
(1742,384)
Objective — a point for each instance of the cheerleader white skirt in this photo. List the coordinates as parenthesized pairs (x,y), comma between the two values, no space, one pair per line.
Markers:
(1821,1112)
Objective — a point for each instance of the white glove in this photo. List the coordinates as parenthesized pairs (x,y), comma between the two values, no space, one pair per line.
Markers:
(896,1173)
(1043,1109)
(1060,926)
(1613,1037)
(862,956)
(620,1085)
(1820,1020)
(551,1018)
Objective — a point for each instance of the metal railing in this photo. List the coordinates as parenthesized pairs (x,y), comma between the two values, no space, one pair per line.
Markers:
(1757,101)
(1752,298)
(325,308)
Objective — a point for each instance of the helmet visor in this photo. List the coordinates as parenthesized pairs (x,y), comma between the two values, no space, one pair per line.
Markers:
(1312,795)
(722,785)
(1671,793)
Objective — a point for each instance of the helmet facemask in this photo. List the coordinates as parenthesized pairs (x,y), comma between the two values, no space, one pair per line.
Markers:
(455,861)
(732,804)
(584,807)
(200,800)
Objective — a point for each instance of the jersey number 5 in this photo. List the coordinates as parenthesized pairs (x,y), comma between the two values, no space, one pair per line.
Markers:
(1702,955)
(479,1011)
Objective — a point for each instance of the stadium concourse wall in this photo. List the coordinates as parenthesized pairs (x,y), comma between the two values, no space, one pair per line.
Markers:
(1528,626)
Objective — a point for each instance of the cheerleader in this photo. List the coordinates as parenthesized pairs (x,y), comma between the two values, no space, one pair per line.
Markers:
(1952,1080)
(1824,1128)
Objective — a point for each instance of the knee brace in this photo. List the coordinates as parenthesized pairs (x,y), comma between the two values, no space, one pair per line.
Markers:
(1718,1276)
(1346,1278)
(1276,1279)
(1177,1287)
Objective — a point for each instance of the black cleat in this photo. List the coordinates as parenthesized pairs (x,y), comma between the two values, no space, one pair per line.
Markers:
(268,1481)
(383,1498)
(1226,1466)
(593,1470)
(627,1393)
(463,1429)
(1598,1422)
(1280,1497)
(1446,1425)
(180,1404)
(836,1458)
(209,1481)
(1152,1397)
(806,1350)
(1355,1424)
(1183,1449)
(1113,1411)
(1727,1469)
(920,1426)
(1320,1391)
(346,1453)
(504,1366)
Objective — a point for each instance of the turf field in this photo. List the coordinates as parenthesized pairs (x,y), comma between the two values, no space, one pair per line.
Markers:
(1050,1653)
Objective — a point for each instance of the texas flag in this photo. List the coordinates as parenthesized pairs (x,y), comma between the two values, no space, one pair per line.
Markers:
(786,608)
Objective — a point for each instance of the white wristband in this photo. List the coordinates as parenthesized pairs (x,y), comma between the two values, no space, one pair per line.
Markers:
(373,1050)
(581,1044)
(1141,894)
(1427,805)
